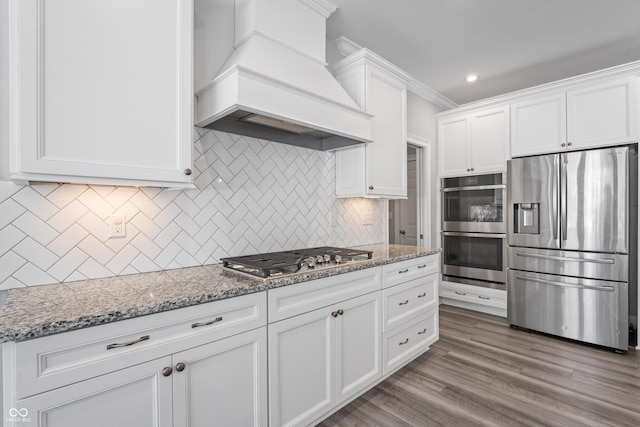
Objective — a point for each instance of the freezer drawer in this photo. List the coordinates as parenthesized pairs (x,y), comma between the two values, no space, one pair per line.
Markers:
(568,263)
(593,311)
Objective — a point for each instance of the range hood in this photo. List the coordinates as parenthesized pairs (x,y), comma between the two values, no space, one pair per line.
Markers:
(275,85)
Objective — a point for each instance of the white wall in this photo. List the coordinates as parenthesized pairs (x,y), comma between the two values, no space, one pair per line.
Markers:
(253,196)
(421,125)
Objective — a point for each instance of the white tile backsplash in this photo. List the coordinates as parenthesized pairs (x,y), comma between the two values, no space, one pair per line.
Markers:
(252,196)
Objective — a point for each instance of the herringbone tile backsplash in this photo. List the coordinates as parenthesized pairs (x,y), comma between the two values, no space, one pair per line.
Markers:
(252,196)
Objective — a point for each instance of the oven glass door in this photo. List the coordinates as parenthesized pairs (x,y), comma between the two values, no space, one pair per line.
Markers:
(474,204)
(474,256)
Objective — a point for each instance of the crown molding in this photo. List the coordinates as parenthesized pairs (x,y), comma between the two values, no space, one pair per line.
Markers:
(323,7)
(348,48)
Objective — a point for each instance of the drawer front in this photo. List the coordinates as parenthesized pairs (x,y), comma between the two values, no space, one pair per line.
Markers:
(54,361)
(407,300)
(474,294)
(289,301)
(409,340)
(403,271)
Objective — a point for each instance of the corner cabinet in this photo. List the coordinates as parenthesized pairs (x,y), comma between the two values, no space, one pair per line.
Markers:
(596,115)
(379,168)
(473,143)
(112,106)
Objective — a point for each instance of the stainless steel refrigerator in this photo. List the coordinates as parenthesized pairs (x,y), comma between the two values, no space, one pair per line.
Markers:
(572,245)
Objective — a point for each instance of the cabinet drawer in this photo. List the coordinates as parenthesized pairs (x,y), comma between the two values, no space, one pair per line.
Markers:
(289,301)
(407,300)
(50,362)
(400,272)
(474,294)
(409,340)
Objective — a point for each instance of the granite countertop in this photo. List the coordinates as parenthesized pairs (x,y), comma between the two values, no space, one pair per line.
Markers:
(49,309)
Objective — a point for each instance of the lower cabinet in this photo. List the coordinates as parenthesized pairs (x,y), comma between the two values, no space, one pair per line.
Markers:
(486,300)
(223,383)
(319,359)
(135,396)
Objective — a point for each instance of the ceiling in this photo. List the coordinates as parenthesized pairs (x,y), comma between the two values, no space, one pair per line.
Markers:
(509,44)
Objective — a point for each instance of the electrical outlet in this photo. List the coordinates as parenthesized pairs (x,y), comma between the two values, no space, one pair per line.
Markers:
(117,225)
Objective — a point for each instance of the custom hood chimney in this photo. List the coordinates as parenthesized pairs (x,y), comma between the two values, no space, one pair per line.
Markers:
(275,85)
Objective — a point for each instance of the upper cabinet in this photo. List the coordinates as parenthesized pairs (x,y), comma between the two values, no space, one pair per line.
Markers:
(596,115)
(473,143)
(101,91)
(379,168)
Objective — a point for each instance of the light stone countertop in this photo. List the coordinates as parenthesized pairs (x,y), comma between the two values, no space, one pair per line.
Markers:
(39,311)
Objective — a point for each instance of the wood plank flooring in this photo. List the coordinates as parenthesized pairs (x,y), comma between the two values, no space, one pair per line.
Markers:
(483,373)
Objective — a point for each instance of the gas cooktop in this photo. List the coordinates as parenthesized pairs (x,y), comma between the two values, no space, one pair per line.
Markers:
(295,261)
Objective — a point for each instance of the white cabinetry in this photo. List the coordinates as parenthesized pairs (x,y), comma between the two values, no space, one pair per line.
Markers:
(379,168)
(595,115)
(175,368)
(321,358)
(410,310)
(486,300)
(101,94)
(474,143)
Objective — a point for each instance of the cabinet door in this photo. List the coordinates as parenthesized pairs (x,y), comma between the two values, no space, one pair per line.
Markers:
(386,156)
(132,397)
(223,383)
(538,125)
(111,106)
(453,135)
(489,140)
(358,335)
(301,372)
(603,114)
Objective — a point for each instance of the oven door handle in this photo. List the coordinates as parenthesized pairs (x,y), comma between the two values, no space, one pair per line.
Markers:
(480,187)
(487,235)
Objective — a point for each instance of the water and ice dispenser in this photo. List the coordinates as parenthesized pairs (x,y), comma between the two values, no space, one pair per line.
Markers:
(526,218)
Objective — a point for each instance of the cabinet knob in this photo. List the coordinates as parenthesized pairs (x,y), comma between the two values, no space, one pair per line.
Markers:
(569,144)
(180,367)
(341,312)
(371,187)
(563,145)
(187,171)
(471,169)
(334,314)
(167,371)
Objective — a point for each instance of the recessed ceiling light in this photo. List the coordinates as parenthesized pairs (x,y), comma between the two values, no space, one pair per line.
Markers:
(472,78)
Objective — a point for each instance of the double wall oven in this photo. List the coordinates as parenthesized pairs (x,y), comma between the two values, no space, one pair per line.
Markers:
(474,230)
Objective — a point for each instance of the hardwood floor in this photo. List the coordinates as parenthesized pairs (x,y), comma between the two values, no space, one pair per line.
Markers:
(483,373)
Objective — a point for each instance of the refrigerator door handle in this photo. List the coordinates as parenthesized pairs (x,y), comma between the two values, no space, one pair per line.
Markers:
(554,197)
(566,285)
(564,258)
(563,198)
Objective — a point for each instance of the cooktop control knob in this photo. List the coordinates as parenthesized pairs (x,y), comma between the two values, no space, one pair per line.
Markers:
(338,259)
(319,259)
(311,262)
(327,258)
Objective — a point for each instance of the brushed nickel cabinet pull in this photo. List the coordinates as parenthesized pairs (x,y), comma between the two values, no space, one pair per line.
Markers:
(481,297)
(424,331)
(404,303)
(459,293)
(126,344)
(422,266)
(211,322)
(404,342)
(403,271)
(422,295)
